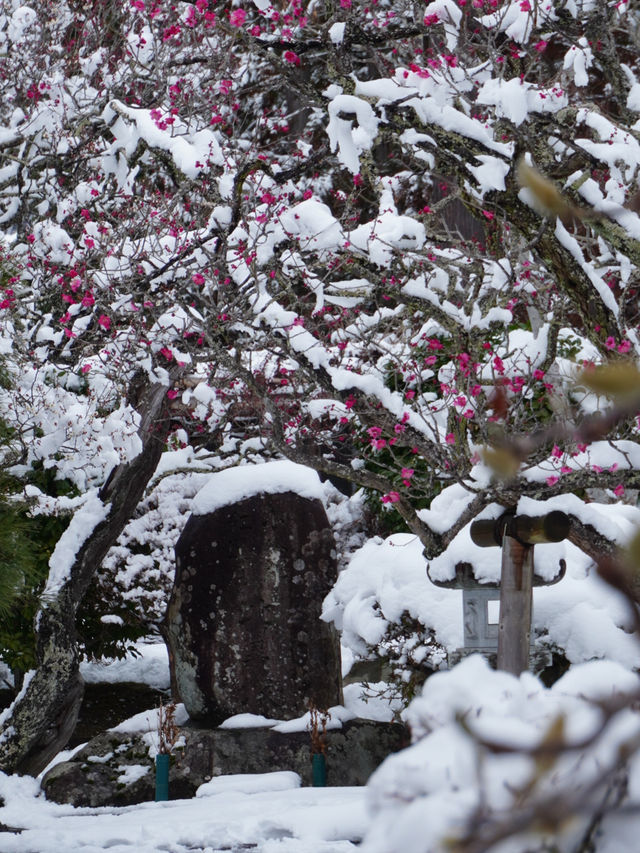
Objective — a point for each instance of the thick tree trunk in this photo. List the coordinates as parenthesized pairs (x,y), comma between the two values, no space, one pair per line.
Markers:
(46,710)
(41,720)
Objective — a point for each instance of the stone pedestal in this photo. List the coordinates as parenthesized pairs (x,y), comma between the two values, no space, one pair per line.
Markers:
(115,769)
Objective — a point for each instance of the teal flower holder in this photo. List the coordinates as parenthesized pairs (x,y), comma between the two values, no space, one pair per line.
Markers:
(162,776)
(319,770)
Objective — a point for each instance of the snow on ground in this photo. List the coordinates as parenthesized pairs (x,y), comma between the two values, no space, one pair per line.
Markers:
(229,816)
(268,813)
(150,666)
(415,801)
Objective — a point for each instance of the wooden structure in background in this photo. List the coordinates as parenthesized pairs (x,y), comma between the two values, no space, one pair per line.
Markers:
(510,637)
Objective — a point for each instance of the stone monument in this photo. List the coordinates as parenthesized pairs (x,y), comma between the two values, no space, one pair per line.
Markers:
(253,565)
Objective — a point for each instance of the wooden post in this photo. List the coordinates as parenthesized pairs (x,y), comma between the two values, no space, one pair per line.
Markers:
(514,631)
(517,535)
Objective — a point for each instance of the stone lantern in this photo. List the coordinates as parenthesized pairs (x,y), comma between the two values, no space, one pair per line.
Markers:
(497,616)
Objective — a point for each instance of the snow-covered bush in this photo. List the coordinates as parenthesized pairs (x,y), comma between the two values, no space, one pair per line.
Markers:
(386,606)
(504,764)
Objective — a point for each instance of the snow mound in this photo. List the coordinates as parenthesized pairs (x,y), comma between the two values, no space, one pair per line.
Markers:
(245,481)
(147,721)
(248,721)
(250,783)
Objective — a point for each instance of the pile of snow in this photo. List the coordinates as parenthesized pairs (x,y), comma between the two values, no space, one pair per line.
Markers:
(148,721)
(426,796)
(337,715)
(250,783)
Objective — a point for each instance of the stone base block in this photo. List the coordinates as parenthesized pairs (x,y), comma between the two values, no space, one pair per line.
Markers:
(115,769)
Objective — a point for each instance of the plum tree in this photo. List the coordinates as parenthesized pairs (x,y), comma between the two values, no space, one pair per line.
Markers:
(298,229)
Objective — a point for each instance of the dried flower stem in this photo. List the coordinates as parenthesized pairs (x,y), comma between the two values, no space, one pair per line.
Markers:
(167,728)
(318,729)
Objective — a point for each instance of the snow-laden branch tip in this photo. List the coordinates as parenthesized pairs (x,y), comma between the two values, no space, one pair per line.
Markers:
(80,529)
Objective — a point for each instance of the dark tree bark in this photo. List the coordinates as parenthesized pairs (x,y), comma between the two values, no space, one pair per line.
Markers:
(43,716)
